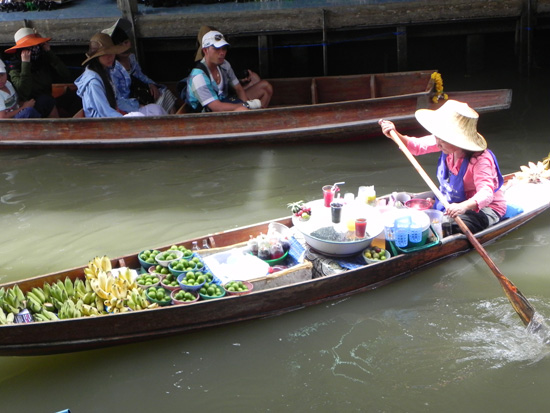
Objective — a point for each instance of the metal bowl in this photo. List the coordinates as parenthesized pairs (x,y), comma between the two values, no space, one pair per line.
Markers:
(320,219)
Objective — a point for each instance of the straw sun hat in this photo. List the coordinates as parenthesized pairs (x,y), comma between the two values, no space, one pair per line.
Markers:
(455,123)
(102,44)
(26,37)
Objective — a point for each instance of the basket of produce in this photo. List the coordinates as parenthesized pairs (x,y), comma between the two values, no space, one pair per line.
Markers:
(373,255)
(238,287)
(210,290)
(170,282)
(182,265)
(147,258)
(180,296)
(166,257)
(158,295)
(191,280)
(147,280)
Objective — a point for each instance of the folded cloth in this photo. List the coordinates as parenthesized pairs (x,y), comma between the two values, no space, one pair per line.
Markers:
(254,104)
(512,210)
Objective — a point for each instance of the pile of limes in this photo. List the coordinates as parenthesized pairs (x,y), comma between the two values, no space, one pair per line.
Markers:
(160,294)
(211,290)
(185,296)
(147,279)
(235,286)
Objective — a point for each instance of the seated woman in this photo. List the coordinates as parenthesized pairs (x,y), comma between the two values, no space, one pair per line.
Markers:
(34,71)
(126,73)
(468,172)
(94,85)
(9,101)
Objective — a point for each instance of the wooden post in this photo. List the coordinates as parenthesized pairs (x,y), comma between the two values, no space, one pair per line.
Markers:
(325,57)
(263,55)
(129,9)
(401,48)
(525,36)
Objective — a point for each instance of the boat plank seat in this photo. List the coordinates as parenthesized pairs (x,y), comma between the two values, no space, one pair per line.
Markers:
(58,89)
(393,85)
(341,89)
(291,92)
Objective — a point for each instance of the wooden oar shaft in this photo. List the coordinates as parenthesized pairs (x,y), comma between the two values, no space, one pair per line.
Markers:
(518,301)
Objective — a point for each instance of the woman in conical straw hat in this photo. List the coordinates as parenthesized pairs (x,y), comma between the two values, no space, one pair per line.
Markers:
(468,172)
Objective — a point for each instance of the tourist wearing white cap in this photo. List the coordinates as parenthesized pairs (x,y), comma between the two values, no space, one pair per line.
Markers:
(34,71)
(10,107)
(212,85)
(254,86)
(468,172)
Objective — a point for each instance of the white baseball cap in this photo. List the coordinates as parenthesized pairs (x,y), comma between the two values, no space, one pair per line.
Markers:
(213,38)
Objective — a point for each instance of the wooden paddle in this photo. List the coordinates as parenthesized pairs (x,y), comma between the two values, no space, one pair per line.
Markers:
(524,309)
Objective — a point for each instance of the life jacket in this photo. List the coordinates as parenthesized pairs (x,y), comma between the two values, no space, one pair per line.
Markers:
(452,186)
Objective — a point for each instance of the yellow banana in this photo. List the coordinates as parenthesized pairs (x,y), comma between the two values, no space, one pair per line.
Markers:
(106,264)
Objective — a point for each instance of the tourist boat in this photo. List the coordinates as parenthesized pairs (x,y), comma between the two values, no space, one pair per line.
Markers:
(302,109)
(275,294)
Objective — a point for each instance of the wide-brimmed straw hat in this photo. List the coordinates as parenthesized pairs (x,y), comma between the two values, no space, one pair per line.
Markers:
(102,44)
(455,123)
(26,37)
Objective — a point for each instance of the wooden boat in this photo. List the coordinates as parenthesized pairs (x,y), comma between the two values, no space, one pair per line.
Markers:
(303,109)
(85,333)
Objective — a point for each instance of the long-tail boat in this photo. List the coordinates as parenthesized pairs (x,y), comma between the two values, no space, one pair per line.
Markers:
(302,109)
(274,294)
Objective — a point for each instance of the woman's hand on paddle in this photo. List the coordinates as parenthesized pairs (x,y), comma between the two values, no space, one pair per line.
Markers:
(387,127)
(460,208)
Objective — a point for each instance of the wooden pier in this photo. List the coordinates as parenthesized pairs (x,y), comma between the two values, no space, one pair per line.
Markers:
(260,35)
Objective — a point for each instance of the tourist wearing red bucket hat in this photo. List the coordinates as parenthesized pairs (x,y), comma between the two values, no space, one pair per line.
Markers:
(35,69)
(468,172)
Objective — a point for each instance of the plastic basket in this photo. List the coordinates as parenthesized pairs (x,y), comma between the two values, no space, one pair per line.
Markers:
(395,250)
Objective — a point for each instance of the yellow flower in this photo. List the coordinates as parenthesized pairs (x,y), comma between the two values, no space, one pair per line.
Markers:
(438,83)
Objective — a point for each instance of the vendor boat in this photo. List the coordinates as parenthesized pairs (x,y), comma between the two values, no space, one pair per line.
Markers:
(296,287)
(301,110)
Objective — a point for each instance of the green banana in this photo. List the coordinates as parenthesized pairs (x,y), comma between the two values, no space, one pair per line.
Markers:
(39,293)
(69,287)
(34,305)
(46,288)
(18,293)
(35,297)
(50,315)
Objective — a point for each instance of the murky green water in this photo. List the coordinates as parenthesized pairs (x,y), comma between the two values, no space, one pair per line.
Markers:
(445,339)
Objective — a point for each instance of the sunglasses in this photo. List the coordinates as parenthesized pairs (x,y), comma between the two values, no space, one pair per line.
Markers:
(218,37)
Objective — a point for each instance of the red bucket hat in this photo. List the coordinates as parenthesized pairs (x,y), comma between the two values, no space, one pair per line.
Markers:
(26,37)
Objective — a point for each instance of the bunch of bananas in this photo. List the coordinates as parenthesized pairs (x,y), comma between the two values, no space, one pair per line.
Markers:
(137,300)
(6,318)
(12,300)
(113,291)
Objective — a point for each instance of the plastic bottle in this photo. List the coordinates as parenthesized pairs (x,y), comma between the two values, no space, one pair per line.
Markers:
(205,244)
(195,246)
(253,245)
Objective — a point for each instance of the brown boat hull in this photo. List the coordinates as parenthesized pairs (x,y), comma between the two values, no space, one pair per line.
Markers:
(114,329)
(305,110)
